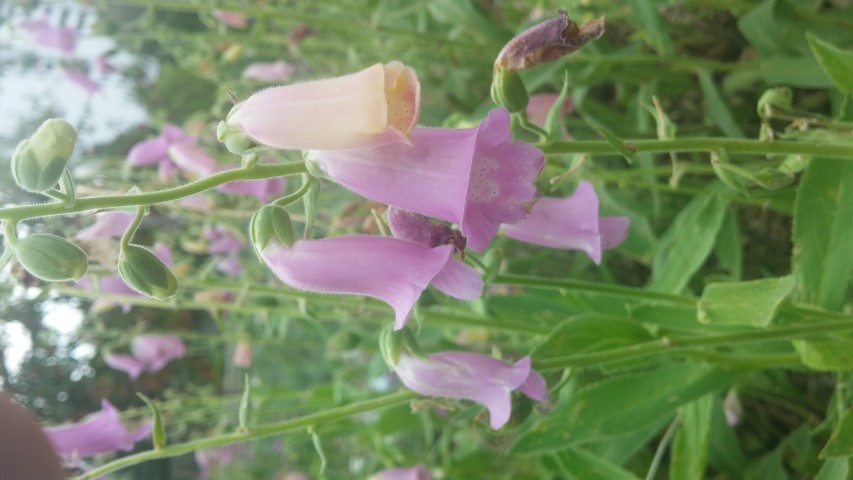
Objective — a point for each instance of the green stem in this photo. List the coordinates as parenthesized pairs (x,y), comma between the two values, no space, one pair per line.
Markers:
(140,199)
(581,285)
(131,229)
(731,145)
(252,433)
(662,446)
(284,201)
(685,345)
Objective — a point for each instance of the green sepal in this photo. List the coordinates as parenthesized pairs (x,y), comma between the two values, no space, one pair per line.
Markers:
(269,221)
(39,162)
(508,91)
(778,99)
(390,345)
(50,257)
(234,139)
(158,435)
(144,272)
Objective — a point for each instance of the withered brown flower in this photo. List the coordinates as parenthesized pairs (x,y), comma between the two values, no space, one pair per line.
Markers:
(547,41)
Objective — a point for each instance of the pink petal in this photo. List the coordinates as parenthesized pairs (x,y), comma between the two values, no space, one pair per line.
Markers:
(81,80)
(222,240)
(468,376)
(417,472)
(264,189)
(613,231)
(394,271)
(189,157)
(107,225)
(155,351)
(125,363)
(569,223)
(279,71)
(417,228)
(46,35)
(539,106)
(377,105)
(101,432)
(535,386)
(163,253)
(149,152)
(459,281)
(231,265)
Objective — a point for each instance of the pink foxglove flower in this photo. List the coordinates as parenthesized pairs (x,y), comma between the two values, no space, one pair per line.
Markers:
(472,376)
(156,150)
(107,225)
(539,105)
(417,472)
(101,432)
(477,178)
(230,18)
(279,71)
(373,106)
(221,240)
(264,189)
(189,157)
(46,35)
(149,353)
(394,271)
(81,80)
(211,458)
(571,223)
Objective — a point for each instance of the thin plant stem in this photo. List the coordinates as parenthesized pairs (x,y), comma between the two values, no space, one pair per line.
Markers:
(131,229)
(662,446)
(731,145)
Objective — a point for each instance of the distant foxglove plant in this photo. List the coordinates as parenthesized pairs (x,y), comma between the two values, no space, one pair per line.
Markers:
(417,472)
(472,376)
(148,353)
(478,178)
(279,71)
(44,34)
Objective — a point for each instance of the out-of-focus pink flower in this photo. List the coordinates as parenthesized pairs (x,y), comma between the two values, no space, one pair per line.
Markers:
(108,285)
(107,225)
(415,473)
(103,65)
(230,18)
(81,80)
(376,105)
(189,157)
(264,189)
(242,353)
(478,178)
(149,353)
(474,377)
(392,270)
(101,432)
(221,240)
(571,223)
(46,35)
(156,150)
(539,106)
(211,458)
(197,202)
(279,71)
(231,265)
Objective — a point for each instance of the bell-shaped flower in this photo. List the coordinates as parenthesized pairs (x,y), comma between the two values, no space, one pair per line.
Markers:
(373,106)
(417,472)
(279,71)
(477,178)
(389,269)
(46,35)
(472,376)
(156,150)
(101,432)
(571,223)
(190,157)
(148,353)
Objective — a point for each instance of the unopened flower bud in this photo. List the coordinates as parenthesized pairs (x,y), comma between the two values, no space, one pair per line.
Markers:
(508,91)
(547,41)
(243,353)
(144,272)
(234,139)
(269,221)
(51,257)
(39,161)
(390,345)
(776,99)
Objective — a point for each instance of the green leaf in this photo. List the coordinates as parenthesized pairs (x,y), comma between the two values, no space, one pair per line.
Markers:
(823,233)
(796,71)
(590,333)
(826,354)
(629,151)
(689,240)
(158,435)
(552,121)
(243,411)
(752,303)
(717,108)
(728,248)
(772,27)
(646,12)
(837,63)
(621,404)
(690,448)
(834,468)
(840,444)
(583,465)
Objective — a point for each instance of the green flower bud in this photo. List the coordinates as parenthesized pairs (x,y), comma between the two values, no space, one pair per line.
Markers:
(39,161)
(234,139)
(390,345)
(51,258)
(142,271)
(508,91)
(776,99)
(271,222)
